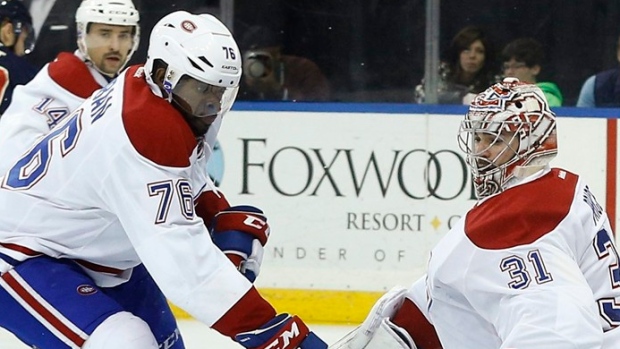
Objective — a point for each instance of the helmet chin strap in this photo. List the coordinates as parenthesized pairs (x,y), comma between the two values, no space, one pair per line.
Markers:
(188,116)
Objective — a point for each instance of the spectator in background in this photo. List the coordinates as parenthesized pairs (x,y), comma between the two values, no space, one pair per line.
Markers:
(107,35)
(522,59)
(602,89)
(466,69)
(16,40)
(270,75)
(54,23)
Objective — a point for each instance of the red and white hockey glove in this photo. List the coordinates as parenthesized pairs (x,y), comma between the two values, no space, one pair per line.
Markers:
(241,232)
(282,332)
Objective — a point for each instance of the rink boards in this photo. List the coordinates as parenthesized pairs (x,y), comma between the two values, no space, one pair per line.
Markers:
(357,195)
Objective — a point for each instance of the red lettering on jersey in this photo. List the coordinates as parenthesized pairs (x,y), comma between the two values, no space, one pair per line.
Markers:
(522,214)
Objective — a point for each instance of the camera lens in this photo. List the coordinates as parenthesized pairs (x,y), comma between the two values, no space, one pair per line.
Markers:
(257,69)
(258,64)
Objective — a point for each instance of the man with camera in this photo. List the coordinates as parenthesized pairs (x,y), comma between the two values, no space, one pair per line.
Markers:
(270,75)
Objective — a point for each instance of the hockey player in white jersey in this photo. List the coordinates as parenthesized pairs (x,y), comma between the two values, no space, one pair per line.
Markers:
(533,265)
(120,184)
(108,34)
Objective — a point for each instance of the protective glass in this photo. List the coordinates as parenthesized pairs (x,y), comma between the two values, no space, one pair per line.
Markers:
(201,99)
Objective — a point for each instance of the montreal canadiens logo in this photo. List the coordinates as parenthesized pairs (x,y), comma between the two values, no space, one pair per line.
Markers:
(188,26)
(86,290)
(168,86)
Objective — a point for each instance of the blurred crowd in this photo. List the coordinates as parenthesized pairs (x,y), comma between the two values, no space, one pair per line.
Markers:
(373,51)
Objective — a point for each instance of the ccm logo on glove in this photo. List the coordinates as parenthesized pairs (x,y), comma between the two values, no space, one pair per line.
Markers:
(282,332)
(247,219)
(256,223)
(286,335)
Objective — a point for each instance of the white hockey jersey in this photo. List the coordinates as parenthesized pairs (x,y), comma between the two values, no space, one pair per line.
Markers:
(535,267)
(57,89)
(113,185)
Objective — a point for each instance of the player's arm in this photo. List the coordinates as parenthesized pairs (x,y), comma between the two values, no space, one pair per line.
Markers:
(253,323)
(209,203)
(251,320)
(193,273)
(396,321)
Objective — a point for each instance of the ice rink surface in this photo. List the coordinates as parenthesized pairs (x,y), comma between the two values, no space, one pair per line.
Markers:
(198,336)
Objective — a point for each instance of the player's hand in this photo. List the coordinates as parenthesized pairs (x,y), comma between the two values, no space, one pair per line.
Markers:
(241,232)
(282,332)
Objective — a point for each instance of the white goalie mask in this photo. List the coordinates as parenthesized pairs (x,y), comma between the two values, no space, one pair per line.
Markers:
(110,12)
(509,131)
(198,51)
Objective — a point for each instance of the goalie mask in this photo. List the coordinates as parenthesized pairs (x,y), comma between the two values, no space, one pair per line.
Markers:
(202,62)
(508,132)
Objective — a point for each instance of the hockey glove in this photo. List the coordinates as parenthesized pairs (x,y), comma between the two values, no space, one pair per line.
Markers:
(378,331)
(241,232)
(282,332)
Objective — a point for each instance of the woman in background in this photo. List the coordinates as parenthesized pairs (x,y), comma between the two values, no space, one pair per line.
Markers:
(466,70)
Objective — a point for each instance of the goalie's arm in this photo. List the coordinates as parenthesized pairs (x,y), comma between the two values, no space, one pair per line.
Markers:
(411,319)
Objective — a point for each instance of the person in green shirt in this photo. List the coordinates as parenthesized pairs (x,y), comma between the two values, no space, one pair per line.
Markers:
(522,59)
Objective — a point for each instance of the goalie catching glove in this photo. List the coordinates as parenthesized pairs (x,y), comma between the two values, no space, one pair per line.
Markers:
(282,332)
(378,331)
(241,232)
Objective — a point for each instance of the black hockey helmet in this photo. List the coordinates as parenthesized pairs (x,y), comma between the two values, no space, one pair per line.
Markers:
(16,12)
